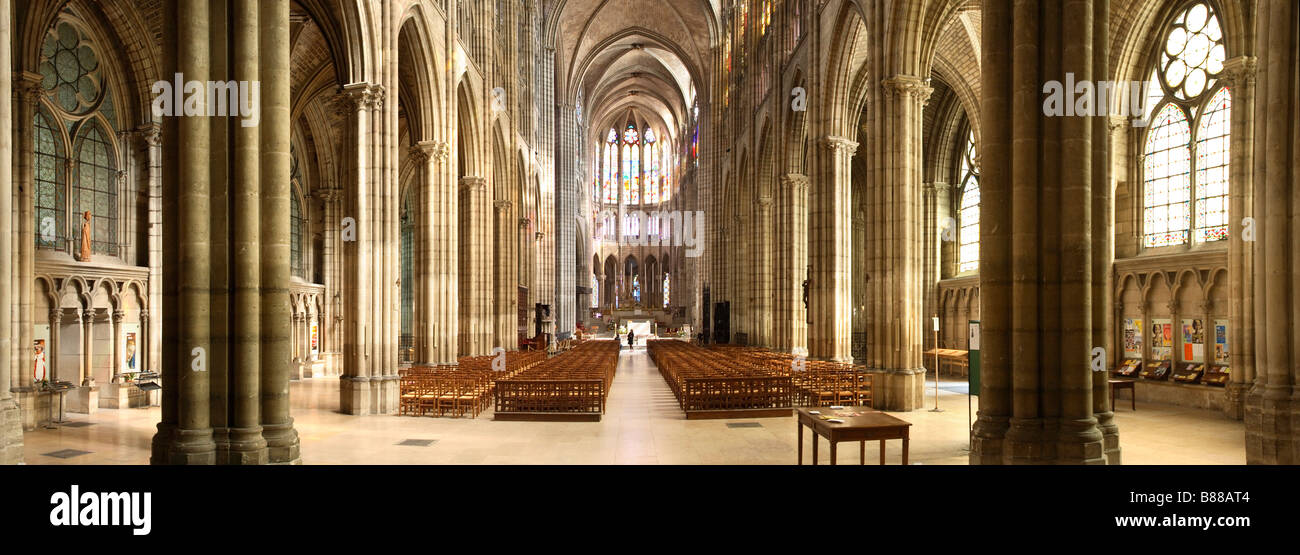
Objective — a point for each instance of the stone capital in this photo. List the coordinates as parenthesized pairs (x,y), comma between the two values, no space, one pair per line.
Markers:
(329,194)
(763,202)
(939,187)
(118,316)
(1117,123)
(796,181)
(88,316)
(56,316)
(151,134)
(908,86)
(1240,70)
(27,87)
(473,183)
(502,205)
(359,96)
(839,144)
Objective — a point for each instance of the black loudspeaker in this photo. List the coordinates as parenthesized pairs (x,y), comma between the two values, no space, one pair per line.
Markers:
(722,322)
(706,316)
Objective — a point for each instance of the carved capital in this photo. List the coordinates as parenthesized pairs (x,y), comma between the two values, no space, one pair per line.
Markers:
(1240,70)
(797,181)
(907,86)
(27,87)
(56,316)
(502,205)
(151,134)
(118,316)
(473,183)
(839,144)
(88,317)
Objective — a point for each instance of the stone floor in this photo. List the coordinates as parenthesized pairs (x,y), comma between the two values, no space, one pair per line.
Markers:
(642,426)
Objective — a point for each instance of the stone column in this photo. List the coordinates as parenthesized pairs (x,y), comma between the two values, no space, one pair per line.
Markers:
(790,326)
(355,105)
(442,272)
(506,282)
(1036,397)
(26,89)
(152,347)
(1102,285)
(475,268)
(1239,73)
(52,350)
(11,431)
(146,335)
(830,227)
(1272,410)
(281,439)
(185,433)
(763,258)
(117,317)
(87,375)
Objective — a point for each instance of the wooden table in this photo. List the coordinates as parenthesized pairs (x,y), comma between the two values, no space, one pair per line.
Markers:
(1123,384)
(869,425)
(950,358)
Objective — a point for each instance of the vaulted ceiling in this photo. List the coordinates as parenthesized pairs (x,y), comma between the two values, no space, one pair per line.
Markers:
(649,57)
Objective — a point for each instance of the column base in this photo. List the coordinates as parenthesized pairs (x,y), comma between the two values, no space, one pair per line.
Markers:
(385,394)
(987,439)
(1109,437)
(898,389)
(245,447)
(354,395)
(11,432)
(282,443)
(82,400)
(1234,400)
(125,396)
(1080,442)
(172,445)
(1272,420)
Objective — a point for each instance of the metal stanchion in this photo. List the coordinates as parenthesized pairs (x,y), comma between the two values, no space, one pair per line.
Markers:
(935,321)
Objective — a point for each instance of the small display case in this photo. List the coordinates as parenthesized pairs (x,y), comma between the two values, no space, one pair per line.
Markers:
(1189,372)
(1158,370)
(1129,369)
(1215,375)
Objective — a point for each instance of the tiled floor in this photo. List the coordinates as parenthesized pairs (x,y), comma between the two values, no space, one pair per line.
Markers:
(642,426)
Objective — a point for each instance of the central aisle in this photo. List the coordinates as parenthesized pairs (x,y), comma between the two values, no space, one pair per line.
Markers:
(642,425)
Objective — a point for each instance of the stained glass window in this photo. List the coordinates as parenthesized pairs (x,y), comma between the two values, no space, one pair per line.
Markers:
(51,208)
(296,224)
(651,159)
(667,291)
(74,121)
(95,190)
(1185,194)
(1167,167)
(968,234)
(636,288)
(1212,154)
(595,292)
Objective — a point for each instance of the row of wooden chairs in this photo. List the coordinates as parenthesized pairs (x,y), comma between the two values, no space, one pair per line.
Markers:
(817,383)
(464,389)
(576,381)
(704,379)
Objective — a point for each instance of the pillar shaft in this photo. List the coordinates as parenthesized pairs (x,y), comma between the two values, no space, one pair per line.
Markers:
(11,433)
(790,326)
(830,226)
(1036,399)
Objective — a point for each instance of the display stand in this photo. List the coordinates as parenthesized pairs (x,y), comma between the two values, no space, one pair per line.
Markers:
(61,388)
(972,379)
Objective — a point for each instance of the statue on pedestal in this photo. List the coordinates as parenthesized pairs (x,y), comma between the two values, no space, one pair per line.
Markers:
(85,237)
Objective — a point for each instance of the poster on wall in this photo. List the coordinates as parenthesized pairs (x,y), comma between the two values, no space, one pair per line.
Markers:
(1193,340)
(1162,338)
(41,359)
(315,338)
(131,347)
(1221,341)
(1132,338)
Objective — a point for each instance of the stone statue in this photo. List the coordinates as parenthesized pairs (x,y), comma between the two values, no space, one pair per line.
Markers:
(85,237)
